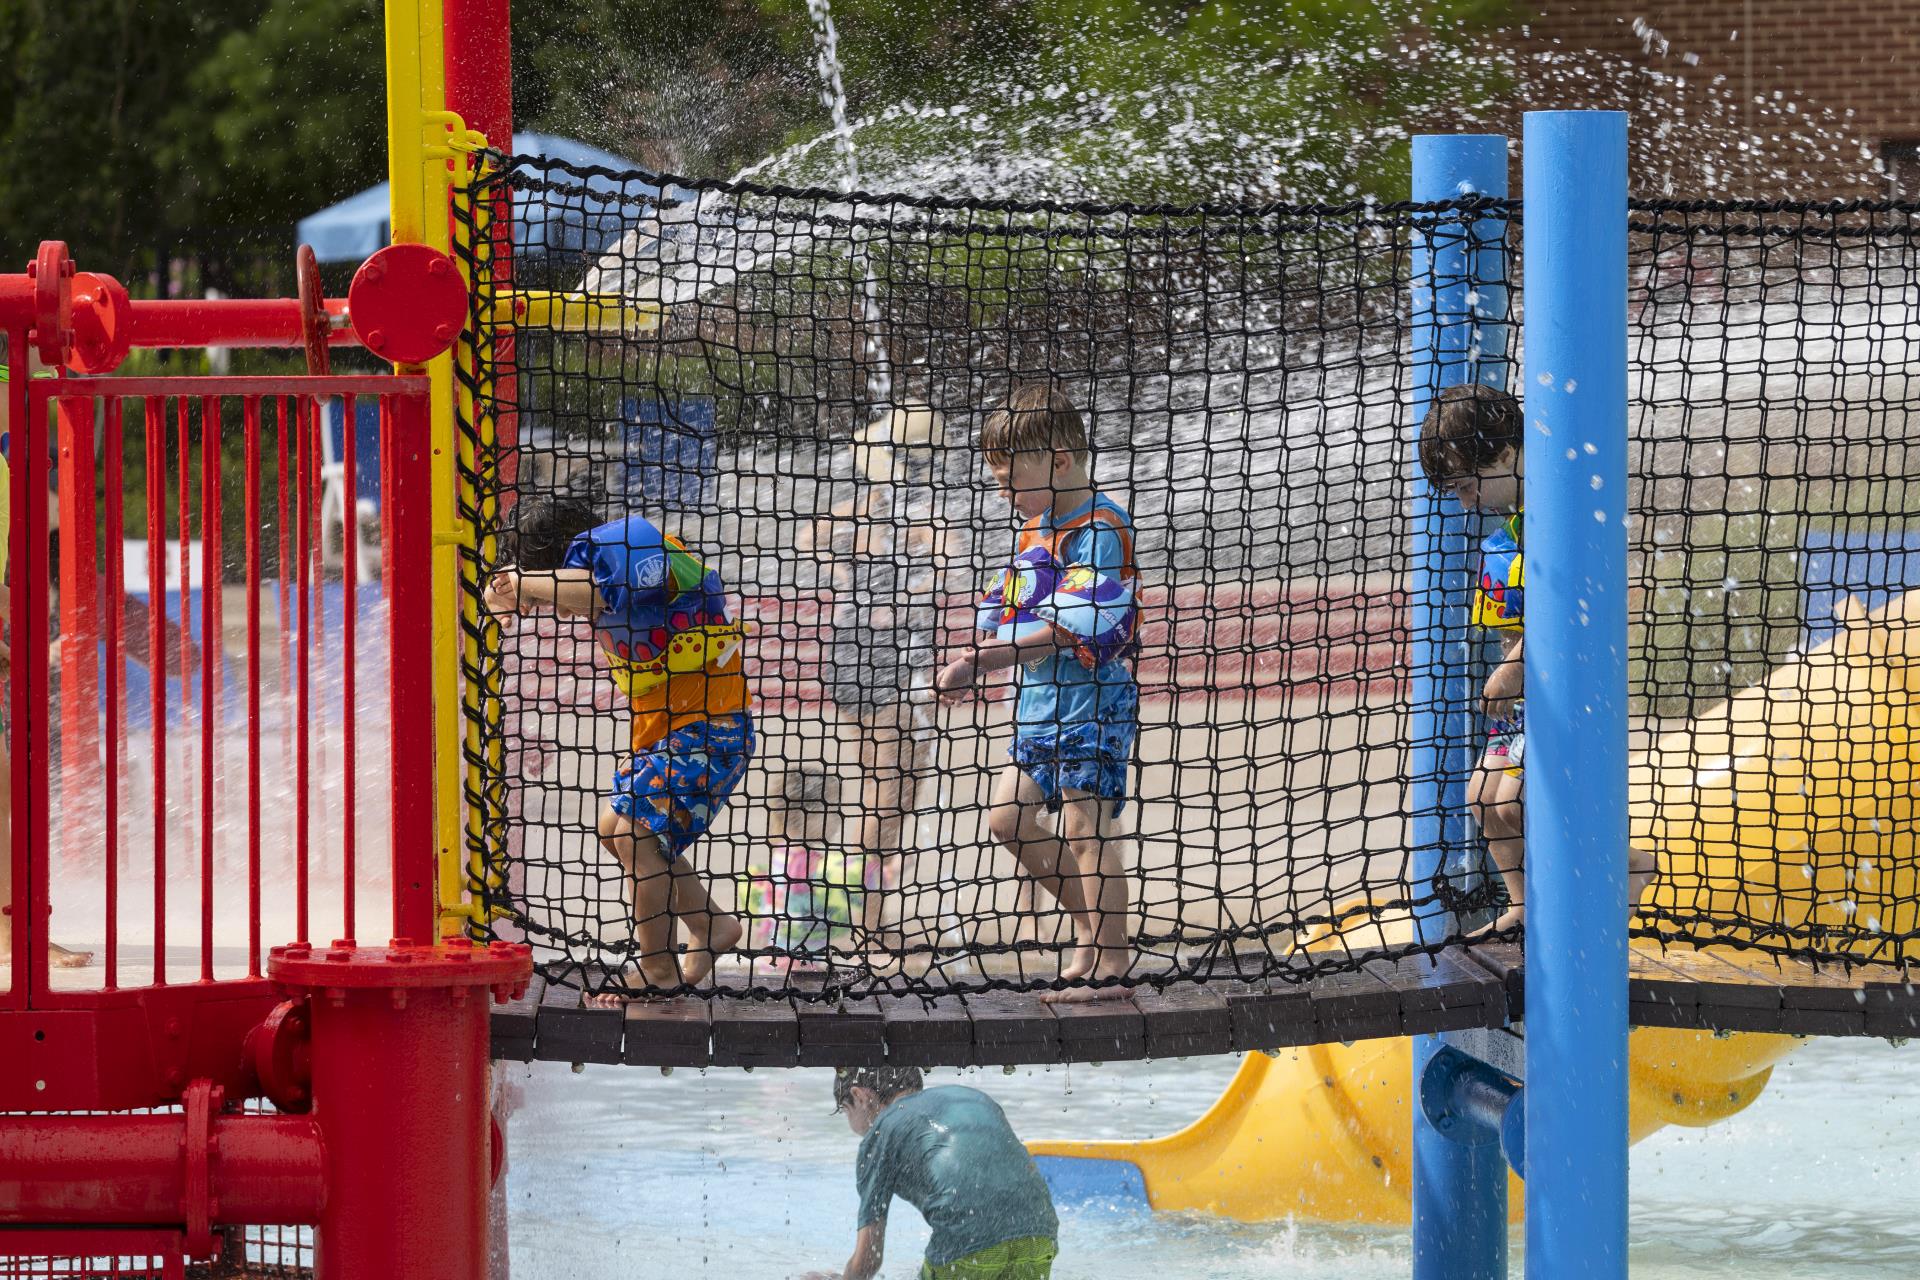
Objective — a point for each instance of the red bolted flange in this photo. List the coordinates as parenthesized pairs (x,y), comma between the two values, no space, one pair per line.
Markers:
(408,303)
(279,1051)
(102,315)
(52,273)
(503,967)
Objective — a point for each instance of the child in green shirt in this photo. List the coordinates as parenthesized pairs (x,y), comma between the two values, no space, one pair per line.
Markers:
(950,1153)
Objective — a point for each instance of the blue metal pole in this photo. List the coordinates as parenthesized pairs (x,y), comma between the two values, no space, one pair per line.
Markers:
(1576,660)
(1459,335)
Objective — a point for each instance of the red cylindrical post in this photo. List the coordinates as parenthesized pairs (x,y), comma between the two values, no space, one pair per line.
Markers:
(399,1070)
(407,563)
(226,322)
(136,1169)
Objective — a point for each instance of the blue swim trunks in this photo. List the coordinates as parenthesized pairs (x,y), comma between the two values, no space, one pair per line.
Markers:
(679,787)
(1094,758)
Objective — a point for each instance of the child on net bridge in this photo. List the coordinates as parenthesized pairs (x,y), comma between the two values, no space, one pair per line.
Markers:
(1063,611)
(1471,447)
(660,615)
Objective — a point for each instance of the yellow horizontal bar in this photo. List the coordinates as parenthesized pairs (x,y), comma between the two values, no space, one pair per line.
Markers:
(574,312)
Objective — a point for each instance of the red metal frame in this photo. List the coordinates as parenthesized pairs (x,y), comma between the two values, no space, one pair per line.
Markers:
(388,1045)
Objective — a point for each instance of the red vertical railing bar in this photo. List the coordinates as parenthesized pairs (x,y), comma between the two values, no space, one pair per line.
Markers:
(183,444)
(209,646)
(350,597)
(31,764)
(115,598)
(19,695)
(251,518)
(157,665)
(216,516)
(283,481)
(316,479)
(303,648)
(407,546)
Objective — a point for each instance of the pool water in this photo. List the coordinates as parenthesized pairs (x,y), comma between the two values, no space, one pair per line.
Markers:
(620,1172)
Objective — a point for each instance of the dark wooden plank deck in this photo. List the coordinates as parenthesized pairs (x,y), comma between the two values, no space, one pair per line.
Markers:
(1718,989)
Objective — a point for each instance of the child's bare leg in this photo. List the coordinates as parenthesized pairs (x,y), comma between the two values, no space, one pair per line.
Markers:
(638,854)
(58,957)
(1014,822)
(1103,890)
(711,932)
(1494,795)
(890,759)
(1641,870)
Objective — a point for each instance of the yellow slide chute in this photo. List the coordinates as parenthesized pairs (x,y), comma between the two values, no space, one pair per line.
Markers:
(1791,803)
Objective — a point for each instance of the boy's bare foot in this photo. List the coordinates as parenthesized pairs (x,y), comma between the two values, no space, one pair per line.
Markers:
(1111,965)
(723,935)
(58,957)
(1080,963)
(1511,918)
(67,957)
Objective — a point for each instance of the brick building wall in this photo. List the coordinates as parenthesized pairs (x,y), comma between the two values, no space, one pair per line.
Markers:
(1816,82)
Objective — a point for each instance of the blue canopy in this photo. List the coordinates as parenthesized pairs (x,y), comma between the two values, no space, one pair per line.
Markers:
(358,226)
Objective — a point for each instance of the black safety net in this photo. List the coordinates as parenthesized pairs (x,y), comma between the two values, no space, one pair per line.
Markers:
(793,385)
(1773,366)
(764,410)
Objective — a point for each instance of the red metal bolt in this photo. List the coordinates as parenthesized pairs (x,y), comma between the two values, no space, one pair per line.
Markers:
(174,1028)
(33,271)
(399,995)
(175,1078)
(66,266)
(377,340)
(340,954)
(401,942)
(444,332)
(375,272)
(438,267)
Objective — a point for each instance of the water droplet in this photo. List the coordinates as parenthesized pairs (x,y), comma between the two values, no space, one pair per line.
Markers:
(1598,483)
(1599,516)
(1545,379)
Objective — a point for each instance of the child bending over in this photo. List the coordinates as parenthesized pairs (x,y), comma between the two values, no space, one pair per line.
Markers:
(1471,448)
(951,1154)
(660,615)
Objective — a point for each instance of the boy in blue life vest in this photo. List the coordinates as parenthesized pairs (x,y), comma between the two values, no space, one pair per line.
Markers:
(950,1153)
(660,615)
(1064,612)
(1471,447)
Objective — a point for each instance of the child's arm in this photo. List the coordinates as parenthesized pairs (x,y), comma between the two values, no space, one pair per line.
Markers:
(1507,681)
(987,655)
(868,1248)
(568,591)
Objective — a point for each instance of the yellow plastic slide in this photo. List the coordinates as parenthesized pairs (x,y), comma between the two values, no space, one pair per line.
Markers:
(1791,802)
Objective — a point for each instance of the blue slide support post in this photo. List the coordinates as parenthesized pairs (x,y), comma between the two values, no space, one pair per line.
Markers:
(1459,335)
(1575,165)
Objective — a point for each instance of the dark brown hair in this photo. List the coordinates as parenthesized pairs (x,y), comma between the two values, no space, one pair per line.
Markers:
(888,1082)
(1468,428)
(1035,417)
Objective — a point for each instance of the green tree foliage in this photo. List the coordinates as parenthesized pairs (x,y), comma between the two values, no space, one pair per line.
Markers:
(131,127)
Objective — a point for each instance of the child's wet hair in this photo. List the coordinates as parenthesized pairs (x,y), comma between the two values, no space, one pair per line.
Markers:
(888,1082)
(1467,429)
(544,527)
(1036,417)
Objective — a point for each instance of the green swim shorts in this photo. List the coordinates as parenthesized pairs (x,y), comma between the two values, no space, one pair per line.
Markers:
(1030,1258)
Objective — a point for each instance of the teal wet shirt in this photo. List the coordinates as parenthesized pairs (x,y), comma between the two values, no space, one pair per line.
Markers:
(950,1153)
